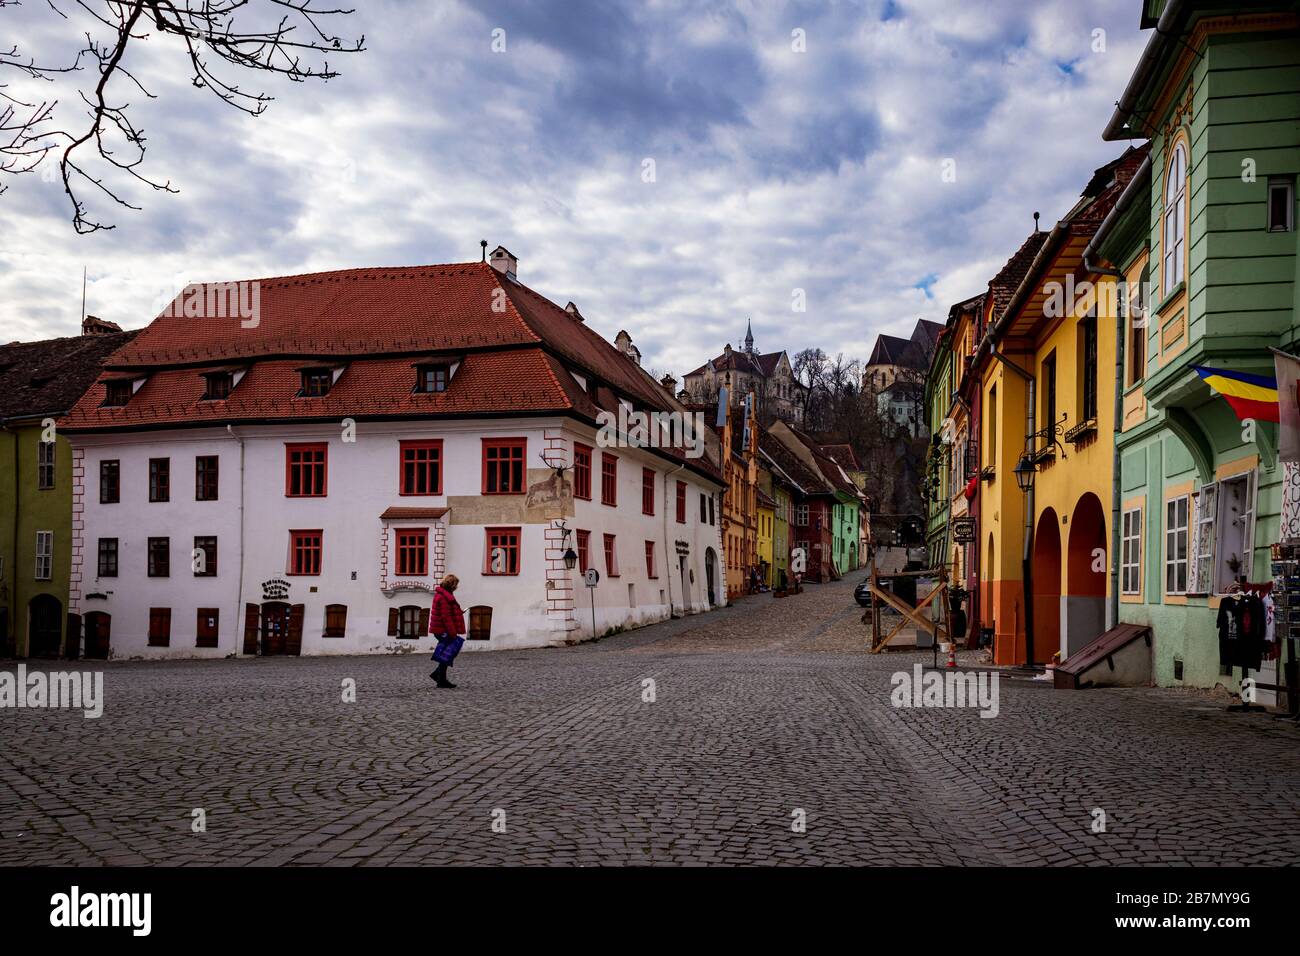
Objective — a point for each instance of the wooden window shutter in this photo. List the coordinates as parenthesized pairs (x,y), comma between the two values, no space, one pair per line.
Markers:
(392,622)
(207,626)
(293,645)
(480,622)
(160,626)
(250,628)
(336,620)
(424,621)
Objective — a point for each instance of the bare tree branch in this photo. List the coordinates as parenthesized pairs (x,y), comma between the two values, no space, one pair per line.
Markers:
(210,31)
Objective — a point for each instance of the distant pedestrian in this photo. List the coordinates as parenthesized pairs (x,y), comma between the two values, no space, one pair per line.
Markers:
(447,624)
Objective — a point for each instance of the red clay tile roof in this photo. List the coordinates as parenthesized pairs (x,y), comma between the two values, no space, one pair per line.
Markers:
(843,454)
(1003,285)
(515,349)
(412,513)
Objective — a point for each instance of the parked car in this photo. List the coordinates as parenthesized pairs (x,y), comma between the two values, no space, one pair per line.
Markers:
(862,593)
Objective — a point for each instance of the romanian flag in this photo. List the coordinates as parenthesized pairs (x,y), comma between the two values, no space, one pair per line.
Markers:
(1251,396)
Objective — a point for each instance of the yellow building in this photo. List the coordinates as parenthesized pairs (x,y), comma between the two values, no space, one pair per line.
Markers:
(766,522)
(1048,400)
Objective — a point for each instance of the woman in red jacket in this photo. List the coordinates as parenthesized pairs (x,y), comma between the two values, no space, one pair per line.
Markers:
(447,623)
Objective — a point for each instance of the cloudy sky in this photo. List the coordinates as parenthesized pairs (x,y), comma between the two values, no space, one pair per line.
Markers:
(675,168)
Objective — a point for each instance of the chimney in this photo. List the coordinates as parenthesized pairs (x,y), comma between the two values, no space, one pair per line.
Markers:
(504,261)
(623,342)
(669,383)
(94,325)
(573,311)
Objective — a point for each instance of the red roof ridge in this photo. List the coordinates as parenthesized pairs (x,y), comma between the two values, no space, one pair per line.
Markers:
(335,275)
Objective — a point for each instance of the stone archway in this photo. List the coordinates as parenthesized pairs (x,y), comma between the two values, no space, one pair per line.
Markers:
(1047,587)
(1084,608)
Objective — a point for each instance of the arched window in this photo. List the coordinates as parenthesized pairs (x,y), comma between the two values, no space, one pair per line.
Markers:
(1175,217)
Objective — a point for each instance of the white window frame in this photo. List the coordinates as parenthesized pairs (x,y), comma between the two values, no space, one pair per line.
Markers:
(1131,551)
(46,458)
(1175,218)
(1204,534)
(44,555)
(1222,573)
(1172,531)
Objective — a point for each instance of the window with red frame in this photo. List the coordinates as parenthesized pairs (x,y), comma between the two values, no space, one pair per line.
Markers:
(611,557)
(421,467)
(502,551)
(305,552)
(584,551)
(650,570)
(413,551)
(581,471)
(681,502)
(647,491)
(608,479)
(305,471)
(503,466)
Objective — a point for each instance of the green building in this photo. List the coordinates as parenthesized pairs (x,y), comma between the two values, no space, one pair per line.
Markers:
(39,381)
(1209,226)
(845,515)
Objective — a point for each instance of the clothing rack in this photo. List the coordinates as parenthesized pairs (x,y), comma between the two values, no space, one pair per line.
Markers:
(1260,591)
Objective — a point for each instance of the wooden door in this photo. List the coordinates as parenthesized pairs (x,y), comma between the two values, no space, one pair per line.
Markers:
(275,624)
(45,626)
(72,646)
(99,627)
(252,624)
(293,636)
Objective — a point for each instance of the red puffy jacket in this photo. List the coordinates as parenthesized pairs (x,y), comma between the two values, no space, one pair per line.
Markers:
(446,616)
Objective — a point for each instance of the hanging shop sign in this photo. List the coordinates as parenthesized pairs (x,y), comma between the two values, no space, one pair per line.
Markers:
(963,530)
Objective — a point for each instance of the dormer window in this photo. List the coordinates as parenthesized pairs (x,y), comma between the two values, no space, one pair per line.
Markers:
(432,378)
(117,392)
(316,382)
(219,386)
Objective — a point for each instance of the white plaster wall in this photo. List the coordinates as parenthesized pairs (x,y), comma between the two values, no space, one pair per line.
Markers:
(134,519)
(363,481)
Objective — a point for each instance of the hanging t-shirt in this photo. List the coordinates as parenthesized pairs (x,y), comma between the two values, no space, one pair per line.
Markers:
(1229,624)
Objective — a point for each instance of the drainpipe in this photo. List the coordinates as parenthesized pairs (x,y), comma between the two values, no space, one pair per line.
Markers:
(668,565)
(1112,602)
(239,587)
(1026,557)
(13,571)
(1136,186)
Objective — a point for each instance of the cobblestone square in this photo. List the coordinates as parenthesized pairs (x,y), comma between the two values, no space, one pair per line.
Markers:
(760,711)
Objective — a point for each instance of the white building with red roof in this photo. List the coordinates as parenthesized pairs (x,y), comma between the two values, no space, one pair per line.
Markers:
(291,465)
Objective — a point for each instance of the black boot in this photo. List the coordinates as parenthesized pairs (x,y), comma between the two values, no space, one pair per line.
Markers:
(440,676)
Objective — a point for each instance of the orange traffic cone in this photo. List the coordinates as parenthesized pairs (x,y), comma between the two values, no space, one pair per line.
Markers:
(952,655)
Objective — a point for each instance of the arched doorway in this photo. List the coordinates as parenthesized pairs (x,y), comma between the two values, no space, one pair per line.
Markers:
(44,626)
(99,626)
(1047,587)
(1086,569)
(711,574)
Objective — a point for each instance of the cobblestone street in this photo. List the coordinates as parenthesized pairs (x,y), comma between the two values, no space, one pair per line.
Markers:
(761,710)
